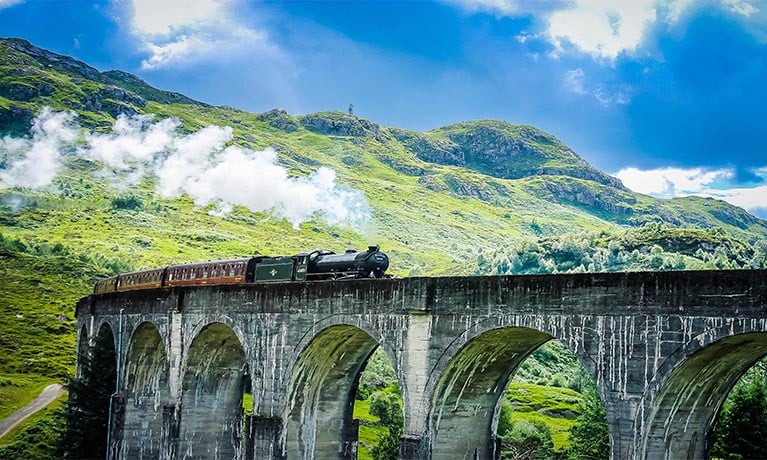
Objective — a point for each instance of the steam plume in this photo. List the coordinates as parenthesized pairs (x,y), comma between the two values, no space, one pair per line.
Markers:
(35,160)
(200,165)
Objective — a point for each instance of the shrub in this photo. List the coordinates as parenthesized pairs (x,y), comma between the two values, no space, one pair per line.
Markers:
(129,202)
(530,441)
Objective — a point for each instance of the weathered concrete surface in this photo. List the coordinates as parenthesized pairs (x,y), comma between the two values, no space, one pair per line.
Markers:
(663,348)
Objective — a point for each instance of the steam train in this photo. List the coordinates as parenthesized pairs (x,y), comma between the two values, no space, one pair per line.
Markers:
(305,266)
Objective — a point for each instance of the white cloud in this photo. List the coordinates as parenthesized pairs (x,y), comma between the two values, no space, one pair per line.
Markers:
(573,81)
(501,7)
(9,3)
(670,181)
(741,7)
(607,97)
(170,16)
(750,199)
(601,28)
(175,32)
(676,182)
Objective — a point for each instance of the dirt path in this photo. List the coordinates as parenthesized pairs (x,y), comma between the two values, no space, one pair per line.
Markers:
(47,396)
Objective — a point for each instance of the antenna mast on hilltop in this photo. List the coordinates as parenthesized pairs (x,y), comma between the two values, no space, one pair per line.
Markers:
(351,109)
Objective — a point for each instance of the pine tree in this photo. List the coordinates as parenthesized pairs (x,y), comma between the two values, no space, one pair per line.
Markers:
(88,406)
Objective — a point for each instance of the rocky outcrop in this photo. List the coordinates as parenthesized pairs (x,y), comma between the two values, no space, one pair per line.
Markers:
(279,118)
(16,120)
(585,193)
(47,58)
(24,92)
(439,151)
(130,82)
(340,124)
(29,58)
(501,150)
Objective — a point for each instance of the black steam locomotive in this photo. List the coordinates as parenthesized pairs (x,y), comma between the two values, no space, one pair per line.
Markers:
(307,266)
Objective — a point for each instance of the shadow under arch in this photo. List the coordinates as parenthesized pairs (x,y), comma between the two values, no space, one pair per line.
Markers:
(211,413)
(83,349)
(683,412)
(464,402)
(323,384)
(146,391)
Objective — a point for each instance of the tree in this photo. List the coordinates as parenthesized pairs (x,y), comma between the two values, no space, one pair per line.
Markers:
(387,407)
(590,436)
(741,430)
(88,407)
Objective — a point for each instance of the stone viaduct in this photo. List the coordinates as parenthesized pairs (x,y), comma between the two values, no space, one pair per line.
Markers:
(663,348)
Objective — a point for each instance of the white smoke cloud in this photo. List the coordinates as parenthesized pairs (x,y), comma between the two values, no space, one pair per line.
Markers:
(200,165)
(34,161)
(133,141)
(255,180)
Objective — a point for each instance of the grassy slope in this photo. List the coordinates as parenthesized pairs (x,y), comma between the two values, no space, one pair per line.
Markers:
(18,390)
(369,434)
(554,407)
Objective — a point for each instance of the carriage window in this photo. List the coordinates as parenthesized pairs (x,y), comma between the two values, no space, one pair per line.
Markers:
(205,272)
(183,274)
(214,271)
(192,273)
(231,270)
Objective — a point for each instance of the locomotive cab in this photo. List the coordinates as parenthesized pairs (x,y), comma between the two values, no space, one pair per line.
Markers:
(299,266)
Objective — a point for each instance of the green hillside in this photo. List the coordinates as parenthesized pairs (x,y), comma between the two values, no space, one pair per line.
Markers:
(460,199)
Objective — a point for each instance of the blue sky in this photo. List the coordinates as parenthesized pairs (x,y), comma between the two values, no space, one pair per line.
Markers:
(669,95)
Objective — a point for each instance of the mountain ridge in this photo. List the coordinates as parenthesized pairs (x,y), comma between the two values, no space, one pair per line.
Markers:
(481,145)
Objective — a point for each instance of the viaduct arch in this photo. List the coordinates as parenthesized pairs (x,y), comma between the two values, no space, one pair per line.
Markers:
(663,348)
